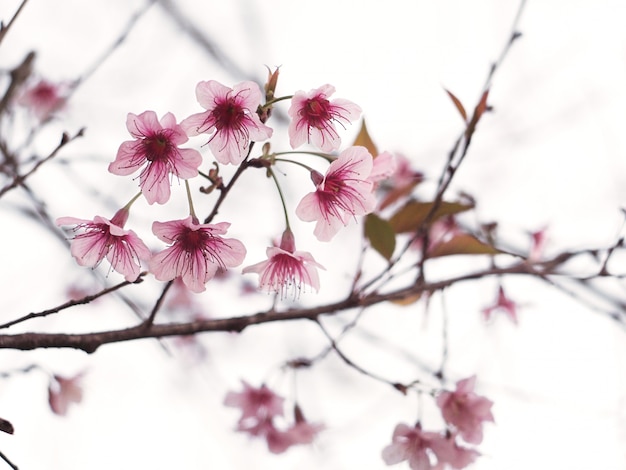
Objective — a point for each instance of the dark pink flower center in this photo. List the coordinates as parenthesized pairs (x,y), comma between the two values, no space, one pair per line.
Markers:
(157,147)
(228,115)
(317,111)
(45,93)
(192,240)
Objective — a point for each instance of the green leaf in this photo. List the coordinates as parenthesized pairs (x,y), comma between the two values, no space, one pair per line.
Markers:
(463,244)
(380,235)
(411,216)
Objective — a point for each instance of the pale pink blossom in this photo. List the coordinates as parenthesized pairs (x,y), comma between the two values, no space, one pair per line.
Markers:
(62,392)
(441,231)
(196,253)
(107,238)
(410,444)
(449,452)
(384,166)
(401,183)
(313,118)
(231,116)
(279,441)
(344,193)
(44,98)
(465,410)
(285,267)
(156,149)
(258,403)
(426,450)
(303,432)
(504,304)
(260,407)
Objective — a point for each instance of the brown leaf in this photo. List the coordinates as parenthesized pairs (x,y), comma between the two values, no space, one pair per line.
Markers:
(363,139)
(462,244)
(479,110)
(412,215)
(458,105)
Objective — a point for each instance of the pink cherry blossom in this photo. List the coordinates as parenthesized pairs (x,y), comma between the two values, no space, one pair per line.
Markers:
(285,267)
(313,118)
(411,444)
(231,117)
(258,403)
(449,452)
(303,432)
(196,253)
(260,406)
(156,149)
(503,303)
(345,192)
(107,238)
(44,98)
(401,182)
(465,410)
(383,167)
(426,450)
(441,231)
(62,392)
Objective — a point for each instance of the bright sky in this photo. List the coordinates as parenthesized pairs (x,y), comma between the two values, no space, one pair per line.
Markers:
(551,154)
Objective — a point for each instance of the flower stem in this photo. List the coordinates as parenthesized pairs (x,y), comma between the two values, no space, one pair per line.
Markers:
(282,198)
(130,203)
(192,212)
(325,156)
(276,100)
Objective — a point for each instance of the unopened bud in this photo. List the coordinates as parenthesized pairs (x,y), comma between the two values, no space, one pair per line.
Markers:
(270,86)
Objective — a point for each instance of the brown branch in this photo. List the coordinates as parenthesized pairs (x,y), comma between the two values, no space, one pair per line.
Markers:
(89,342)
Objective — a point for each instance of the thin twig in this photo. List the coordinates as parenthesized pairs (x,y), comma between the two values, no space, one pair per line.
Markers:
(19,179)
(5,29)
(9,463)
(85,300)
(157,306)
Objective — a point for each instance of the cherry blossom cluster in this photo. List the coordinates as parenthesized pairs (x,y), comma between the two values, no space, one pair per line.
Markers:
(260,409)
(196,251)
(234,120)
(464,412)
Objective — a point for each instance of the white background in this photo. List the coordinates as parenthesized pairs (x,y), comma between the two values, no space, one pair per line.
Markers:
(551,154)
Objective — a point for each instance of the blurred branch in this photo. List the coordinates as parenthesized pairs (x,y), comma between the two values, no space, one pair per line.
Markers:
(205,42)
(113,47)
(18,76)
(19,179)
(5,29)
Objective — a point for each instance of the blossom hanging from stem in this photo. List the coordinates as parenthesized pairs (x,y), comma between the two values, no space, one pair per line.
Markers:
(196,252)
